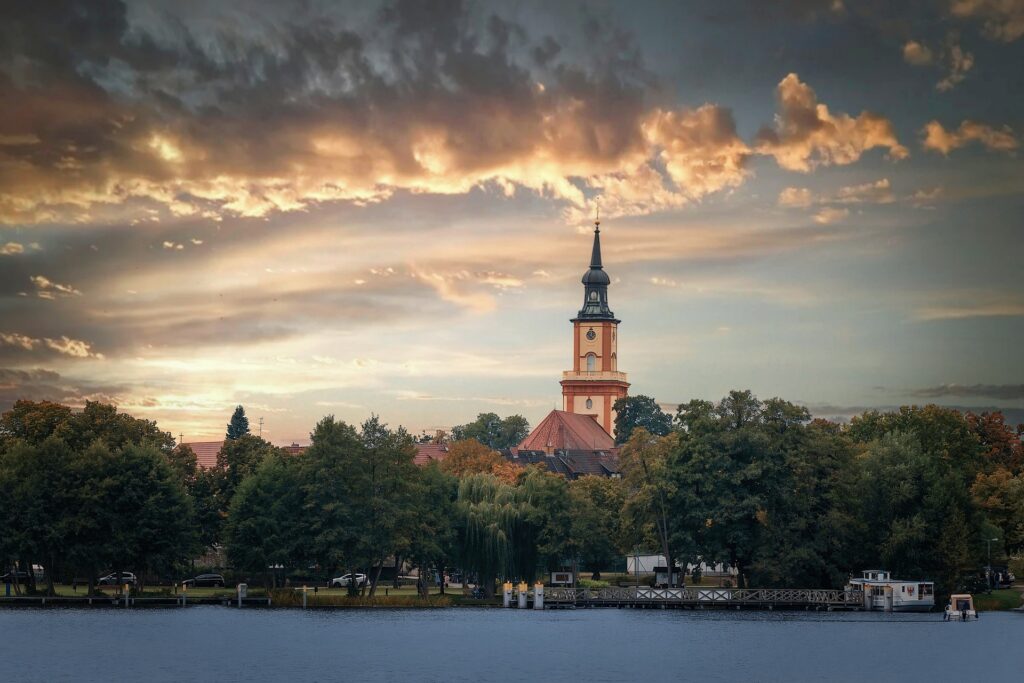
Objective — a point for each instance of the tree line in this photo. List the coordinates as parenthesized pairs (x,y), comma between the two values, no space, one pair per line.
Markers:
(757,485)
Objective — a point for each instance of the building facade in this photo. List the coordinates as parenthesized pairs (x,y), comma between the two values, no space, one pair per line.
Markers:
(595,382)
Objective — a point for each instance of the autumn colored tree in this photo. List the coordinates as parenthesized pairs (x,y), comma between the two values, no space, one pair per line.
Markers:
(472,457)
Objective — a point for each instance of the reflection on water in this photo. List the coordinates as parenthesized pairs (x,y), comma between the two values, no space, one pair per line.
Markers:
(222,644)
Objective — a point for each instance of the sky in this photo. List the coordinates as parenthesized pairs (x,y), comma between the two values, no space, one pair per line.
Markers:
(314,208)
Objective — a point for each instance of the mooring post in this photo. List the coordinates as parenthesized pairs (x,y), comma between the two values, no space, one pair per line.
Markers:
(243,589)
(506,594)
(538,595)
(126,595)
(304,589)
(523,588)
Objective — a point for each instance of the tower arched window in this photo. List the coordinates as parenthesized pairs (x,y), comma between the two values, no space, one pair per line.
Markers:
(590,404)
(615,362)
(591,362)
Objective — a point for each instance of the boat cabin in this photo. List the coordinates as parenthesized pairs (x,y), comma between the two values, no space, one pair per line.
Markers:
(960,608)
(882,592)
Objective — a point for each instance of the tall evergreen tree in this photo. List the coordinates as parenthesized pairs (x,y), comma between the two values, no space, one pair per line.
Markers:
(239,425)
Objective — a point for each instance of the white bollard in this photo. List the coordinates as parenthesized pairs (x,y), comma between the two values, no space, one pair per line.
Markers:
(127,595)
(304,590)
(522,594)
(243,589)
(507,594)
(538,595)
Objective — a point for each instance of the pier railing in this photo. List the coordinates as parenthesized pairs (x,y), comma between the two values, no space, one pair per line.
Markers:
(752,597)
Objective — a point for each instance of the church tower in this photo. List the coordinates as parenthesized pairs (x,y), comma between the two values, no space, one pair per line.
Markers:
(594,383)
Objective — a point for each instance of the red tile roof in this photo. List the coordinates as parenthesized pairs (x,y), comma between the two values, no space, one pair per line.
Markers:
(206,452)
(427,452)
(561,430)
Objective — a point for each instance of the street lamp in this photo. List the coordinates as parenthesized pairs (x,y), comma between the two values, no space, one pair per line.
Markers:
(988,573)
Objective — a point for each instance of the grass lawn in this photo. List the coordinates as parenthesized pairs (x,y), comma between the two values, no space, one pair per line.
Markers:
(1008,598)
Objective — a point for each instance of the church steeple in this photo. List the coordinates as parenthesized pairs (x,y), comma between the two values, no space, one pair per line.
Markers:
(595,382)
(595,284)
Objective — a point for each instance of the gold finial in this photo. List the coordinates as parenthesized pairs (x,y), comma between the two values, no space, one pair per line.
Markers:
(597,219)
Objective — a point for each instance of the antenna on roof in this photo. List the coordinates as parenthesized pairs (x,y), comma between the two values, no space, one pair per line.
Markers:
(261,427)
(597,219)
(181,438)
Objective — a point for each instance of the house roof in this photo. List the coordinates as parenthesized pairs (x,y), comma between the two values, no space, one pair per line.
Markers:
(562,430)
(571,464)
(428,452)
(206,452)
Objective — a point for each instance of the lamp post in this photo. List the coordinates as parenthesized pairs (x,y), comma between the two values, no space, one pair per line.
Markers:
(988,572)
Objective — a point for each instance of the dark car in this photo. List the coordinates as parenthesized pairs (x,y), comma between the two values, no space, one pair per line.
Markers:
(205,580)
(111,579)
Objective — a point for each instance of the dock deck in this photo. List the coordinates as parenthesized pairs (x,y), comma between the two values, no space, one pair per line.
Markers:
(704,598)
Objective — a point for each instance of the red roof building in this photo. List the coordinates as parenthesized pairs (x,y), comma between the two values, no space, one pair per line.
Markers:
(206,452)
(564,431)
(430,452)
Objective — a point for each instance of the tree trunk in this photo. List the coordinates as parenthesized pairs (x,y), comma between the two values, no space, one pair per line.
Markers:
(398,566)
(440,572)
(352,588)
(377,568)
(488,586)
(49,577)
(92,583)
(421,584)
(14,573)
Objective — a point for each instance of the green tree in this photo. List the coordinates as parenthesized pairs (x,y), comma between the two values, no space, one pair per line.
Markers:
(150,513)
(492,431)
(239,425)
(596,503)
(639,411)
(237,459)
(729,474)
(32,421)
(647,514)
(433,535)
(266,524)
(101,422)
(329,470)
(490,513)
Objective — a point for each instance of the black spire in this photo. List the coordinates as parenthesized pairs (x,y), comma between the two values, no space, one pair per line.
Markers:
(595,284)
(595,255)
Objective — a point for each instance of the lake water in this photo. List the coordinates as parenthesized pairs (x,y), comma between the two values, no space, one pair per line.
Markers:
(223,644)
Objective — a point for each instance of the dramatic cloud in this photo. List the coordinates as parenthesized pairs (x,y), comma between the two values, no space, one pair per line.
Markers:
(940,140)
(48,289)
(877,192)
(63,345)
(1003,19)
(38,384)
(1005,392)
(806,134)
(11,248)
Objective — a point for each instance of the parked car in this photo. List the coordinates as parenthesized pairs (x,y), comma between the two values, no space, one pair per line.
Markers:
(344,581)
(207,580)
(111,579)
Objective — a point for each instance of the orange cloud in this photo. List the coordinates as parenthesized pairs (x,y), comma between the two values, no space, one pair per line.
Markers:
(806,134)
(938,139)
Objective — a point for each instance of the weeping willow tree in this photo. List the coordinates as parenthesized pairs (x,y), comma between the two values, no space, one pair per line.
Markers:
(491,512)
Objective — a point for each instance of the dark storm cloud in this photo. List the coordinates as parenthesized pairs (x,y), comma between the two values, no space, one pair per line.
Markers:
(46,385)
(1005,392)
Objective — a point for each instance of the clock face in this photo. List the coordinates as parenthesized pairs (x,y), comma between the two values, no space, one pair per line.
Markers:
(591,335)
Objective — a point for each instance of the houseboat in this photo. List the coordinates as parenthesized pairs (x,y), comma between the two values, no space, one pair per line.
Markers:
(882,592)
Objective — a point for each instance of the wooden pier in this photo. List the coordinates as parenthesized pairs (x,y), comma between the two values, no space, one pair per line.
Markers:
(704,598)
